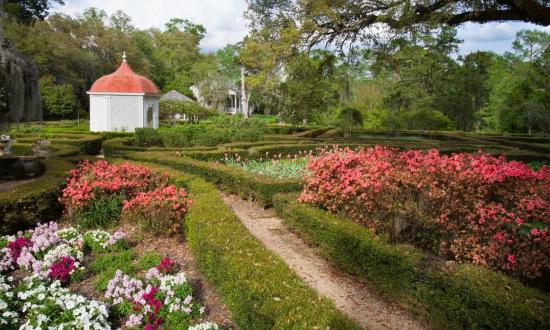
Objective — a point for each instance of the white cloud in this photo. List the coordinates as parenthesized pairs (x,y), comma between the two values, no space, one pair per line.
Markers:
(223,19)
(497,37)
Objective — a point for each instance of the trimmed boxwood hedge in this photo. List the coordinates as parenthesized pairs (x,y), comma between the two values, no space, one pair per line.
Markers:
(454,296)
(259,289)
(36,201)
(241,182)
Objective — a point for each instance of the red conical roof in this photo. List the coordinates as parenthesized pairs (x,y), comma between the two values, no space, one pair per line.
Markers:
(124,80)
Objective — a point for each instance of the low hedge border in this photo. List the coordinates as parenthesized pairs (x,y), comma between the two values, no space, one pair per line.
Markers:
(88,144)
(26,205)
(258,287)
(231,179)
(460,296)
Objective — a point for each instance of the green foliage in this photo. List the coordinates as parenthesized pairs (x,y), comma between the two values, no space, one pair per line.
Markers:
(221,129)
(148,260)
(26,11)
(102,212)
(26,205)
(462,296)
(105,266)
(423,119)
(349,118)
(194,111)
(59,100)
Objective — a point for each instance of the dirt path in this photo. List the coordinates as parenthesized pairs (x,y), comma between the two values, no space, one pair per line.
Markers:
(348,294)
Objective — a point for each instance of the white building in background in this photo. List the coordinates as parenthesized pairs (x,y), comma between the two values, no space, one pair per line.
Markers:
(232,103)
(123,101)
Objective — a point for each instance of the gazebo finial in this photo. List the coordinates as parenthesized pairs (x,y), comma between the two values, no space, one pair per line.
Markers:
(124,56)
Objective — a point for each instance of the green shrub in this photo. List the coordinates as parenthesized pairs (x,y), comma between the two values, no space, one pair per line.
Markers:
(26,205)
(424,119)
(148,137)
(102,212)
(458,297)
(21,149)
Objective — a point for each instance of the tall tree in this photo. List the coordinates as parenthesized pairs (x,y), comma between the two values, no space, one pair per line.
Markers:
(345,21)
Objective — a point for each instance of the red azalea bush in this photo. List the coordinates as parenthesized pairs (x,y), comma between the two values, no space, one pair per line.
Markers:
(160,210)
(94,180)
(467,207)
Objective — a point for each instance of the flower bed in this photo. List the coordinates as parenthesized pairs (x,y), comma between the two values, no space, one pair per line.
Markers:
(52,258)
(466,207)
(97,193)
(291,167)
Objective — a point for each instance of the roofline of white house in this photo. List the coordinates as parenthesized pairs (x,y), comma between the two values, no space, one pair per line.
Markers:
(114,93)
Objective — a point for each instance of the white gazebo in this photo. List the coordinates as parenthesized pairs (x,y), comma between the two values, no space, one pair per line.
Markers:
(123,101)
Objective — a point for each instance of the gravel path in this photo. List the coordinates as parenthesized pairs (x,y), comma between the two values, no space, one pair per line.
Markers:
(348,294)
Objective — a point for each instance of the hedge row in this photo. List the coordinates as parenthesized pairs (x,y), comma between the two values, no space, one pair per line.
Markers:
(237,181)
(450,296)
(258,287)
(87,144)
(26,205)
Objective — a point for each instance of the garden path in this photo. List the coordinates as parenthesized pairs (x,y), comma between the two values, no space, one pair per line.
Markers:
(349,294)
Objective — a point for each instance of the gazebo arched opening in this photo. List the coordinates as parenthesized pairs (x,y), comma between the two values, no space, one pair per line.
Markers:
(150,116)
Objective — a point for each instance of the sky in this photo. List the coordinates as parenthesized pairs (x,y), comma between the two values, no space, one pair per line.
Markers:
(225,23)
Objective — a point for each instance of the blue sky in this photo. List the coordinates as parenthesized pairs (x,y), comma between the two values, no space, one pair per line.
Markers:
(225,24)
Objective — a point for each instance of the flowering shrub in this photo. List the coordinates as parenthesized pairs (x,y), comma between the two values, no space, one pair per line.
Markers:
(94,180)
(50,306)
(468,207)
(160,210)
(161,300)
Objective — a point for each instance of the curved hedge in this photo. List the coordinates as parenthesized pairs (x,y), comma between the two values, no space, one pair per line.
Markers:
(259,289)
(35,201)
(459,297)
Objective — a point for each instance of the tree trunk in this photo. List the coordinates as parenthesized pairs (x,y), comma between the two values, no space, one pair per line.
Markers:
(244,95)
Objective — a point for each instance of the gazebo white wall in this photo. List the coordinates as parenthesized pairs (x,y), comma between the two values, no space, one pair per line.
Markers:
(122,112)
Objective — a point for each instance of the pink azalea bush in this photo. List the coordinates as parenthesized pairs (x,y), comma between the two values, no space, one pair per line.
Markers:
(160,210)
(92,180)
(467,207)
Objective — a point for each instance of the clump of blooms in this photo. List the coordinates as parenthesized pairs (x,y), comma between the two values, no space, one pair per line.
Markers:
(160,210)
(92,180)
(101,240)
(62,269)
(204,326)
(8,312)
(50,306)
(157,301)
(468,207)
(166,266)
